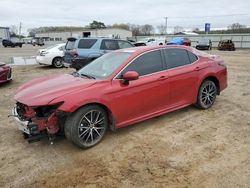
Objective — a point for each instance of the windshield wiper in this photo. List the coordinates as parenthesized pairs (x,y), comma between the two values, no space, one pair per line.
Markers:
(75,74)
(88,76)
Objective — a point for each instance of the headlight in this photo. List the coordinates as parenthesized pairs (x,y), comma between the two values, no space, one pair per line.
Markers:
(46,111)
(44,53)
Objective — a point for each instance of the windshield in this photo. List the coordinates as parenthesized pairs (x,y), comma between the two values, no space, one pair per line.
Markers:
(104,66)
(203,41)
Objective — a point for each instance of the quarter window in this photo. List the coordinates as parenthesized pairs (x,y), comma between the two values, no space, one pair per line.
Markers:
(176,57)
(192,57)
(148,63)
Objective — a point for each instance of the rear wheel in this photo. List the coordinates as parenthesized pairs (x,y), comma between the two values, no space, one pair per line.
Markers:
(57,62)
(207,94)
(87,126)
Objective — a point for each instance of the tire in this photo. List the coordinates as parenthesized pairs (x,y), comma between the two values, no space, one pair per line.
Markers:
(57,62)
(207,94)
(87,126)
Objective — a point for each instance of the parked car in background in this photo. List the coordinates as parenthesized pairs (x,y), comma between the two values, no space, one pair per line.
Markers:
(5,73)
(204,44)
(226,45)
(37,41)
(120,88)
(180,41)
(150,42)
(80,52)
(51,56)
(12,44)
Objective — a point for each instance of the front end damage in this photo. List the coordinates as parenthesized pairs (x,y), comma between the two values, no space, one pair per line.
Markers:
(39,122)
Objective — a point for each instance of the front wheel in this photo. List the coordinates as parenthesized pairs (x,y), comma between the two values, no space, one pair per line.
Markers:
(207,94)
(87,126)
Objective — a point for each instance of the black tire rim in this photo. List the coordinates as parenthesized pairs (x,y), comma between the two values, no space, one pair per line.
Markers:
(58,63)
(91,127)
(208,94)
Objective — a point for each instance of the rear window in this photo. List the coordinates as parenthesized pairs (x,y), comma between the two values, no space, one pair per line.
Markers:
(86,43)
(176,57)
(70,45)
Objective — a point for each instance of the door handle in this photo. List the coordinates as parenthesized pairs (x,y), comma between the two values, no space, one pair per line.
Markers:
(162,78)
(197,68)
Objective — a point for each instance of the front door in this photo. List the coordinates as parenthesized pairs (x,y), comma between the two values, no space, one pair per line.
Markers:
(143,97)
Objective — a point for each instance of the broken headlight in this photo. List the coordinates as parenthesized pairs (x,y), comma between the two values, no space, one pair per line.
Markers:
(46,111)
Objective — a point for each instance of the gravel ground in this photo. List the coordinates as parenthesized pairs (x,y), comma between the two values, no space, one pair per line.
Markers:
(186,148)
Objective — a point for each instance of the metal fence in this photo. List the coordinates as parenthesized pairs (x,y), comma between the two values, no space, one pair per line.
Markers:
(240,40)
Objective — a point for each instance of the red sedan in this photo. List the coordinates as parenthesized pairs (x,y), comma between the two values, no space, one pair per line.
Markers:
(118,89)
(5,73)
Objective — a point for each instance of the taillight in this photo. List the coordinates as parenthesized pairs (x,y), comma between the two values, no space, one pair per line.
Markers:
(74,52)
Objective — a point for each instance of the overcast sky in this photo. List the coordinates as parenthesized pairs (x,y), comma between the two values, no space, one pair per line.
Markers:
(185,13)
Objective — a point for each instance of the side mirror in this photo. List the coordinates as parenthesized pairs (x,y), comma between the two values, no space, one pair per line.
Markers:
(129,76)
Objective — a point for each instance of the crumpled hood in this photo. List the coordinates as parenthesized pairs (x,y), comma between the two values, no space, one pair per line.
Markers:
(42,91)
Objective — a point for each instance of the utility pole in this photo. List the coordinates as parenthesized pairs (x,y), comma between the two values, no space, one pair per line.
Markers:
(166,22)
(20,30)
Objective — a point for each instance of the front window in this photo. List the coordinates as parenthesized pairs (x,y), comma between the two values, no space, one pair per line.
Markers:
(106,65)
(148,63)
(109,45)
(124,44)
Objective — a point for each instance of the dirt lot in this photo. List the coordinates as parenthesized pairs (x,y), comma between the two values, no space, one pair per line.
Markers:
(187,148)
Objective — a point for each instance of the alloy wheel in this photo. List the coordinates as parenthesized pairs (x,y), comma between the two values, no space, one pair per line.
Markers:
(91,127)
(208,94)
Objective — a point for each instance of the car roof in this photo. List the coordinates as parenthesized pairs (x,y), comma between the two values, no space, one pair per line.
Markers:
(96,38)
(143,49)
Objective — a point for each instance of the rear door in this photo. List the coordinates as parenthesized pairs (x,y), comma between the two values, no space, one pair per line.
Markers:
(183,76)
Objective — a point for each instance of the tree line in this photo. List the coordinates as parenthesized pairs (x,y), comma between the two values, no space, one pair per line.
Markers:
(137,30)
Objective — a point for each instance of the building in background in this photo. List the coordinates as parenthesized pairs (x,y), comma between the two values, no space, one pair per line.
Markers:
(57,37)
(4,33)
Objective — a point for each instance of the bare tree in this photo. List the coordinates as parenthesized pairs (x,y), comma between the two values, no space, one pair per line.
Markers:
(161,29)
(135,29)
(178,29)
(13,30)
(236,26)
(147,29)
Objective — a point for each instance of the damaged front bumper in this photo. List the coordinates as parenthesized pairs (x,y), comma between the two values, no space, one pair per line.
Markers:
(21,124)
(33,127)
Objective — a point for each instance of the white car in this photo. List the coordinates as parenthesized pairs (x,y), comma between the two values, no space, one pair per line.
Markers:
(150,42)
(51,55)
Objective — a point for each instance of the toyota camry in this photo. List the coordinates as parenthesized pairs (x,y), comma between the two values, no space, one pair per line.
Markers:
(118,89)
